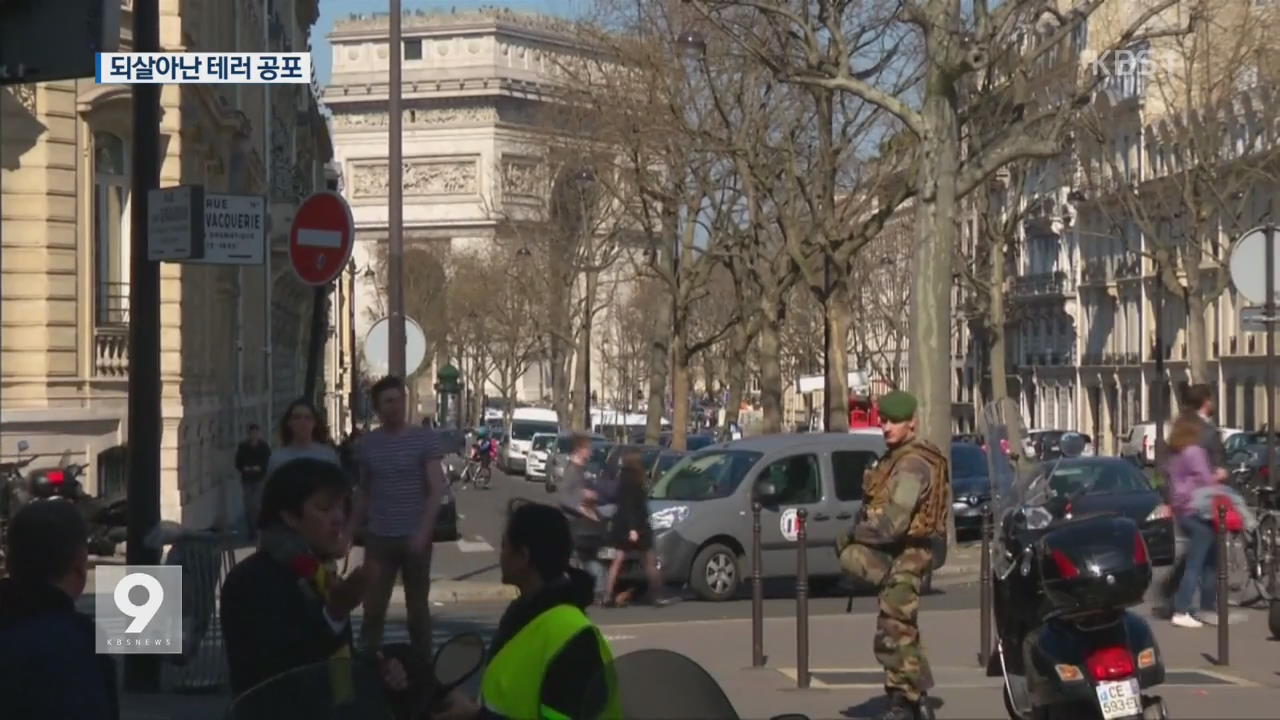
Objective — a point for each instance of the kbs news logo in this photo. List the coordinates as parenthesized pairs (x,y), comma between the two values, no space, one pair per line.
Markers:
(1120,63)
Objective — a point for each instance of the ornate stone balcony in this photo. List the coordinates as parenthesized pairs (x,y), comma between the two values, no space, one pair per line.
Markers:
(111,352)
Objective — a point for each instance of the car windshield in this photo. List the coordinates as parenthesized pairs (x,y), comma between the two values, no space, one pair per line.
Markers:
(599,454)
(542,442)
(968,461)
(705,476)
(1085,477)
(526,429)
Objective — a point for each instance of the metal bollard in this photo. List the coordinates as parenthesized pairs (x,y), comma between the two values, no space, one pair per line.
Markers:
(984,577)
(802,599)
(1224,639)
(757,591)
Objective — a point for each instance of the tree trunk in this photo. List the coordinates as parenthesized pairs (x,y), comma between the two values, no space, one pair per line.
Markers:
(1197,341)
(770,375)
(581,372)
(996,355)
(931,280)
(736,370)
(660,349)
(679,386)
(838,320)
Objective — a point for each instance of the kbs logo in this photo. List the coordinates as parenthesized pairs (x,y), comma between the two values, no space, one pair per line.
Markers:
(1121,63)
(138,609)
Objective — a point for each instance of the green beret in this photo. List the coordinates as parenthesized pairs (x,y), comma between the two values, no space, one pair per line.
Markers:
(898,406)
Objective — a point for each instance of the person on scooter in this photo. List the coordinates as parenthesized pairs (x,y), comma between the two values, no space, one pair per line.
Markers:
(485,450)
(285,607)
(906,499)
(546,653)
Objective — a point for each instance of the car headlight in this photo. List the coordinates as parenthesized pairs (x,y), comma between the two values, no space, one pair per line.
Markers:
(667,518)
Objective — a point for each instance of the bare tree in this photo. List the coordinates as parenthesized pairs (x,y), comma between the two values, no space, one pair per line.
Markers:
(864,49)
(1205,152)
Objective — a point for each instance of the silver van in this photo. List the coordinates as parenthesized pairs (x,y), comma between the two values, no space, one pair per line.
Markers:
(700,509)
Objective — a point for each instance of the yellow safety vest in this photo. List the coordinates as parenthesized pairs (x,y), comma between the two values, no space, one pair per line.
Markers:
(512,684)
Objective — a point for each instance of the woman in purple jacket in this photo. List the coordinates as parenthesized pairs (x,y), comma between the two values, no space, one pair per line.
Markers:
(1188,470)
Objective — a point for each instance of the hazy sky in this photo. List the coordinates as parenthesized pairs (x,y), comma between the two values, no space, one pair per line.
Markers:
(331,10)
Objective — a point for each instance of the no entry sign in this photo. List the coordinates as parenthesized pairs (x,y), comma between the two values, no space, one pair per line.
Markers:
(321,238)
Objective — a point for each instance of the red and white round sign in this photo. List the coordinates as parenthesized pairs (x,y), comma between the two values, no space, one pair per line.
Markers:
(321,238)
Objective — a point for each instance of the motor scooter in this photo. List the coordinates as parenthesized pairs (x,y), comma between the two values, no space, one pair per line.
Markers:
(106,518)
(1068,646)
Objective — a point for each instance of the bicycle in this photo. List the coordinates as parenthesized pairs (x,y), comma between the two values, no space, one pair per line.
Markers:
(1253,556)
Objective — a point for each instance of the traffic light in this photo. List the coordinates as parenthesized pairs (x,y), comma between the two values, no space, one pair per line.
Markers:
(42,40)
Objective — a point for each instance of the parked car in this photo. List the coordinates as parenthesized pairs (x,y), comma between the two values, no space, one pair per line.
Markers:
(1114,485)
(1139,444)
(971,485)
(525,423)
(700,509)
(1043,444)
(540,449)
(1241,441)
(666,460)
(692,443)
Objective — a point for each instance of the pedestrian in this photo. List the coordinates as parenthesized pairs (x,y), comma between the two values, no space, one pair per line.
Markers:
(285,606)
(252,458)
(630,532)
(547,657)
(1198,410)
(1189,469)
(49,669)
(402,485)
(905,507)
(579,502)
(302,435)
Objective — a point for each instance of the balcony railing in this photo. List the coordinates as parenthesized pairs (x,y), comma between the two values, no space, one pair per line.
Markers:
(111,352)
(112,304)
(1041,284)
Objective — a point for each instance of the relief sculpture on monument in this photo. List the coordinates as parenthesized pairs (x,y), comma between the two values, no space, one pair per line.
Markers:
(421,177)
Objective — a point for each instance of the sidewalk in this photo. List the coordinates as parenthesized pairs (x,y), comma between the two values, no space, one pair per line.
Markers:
(847,680)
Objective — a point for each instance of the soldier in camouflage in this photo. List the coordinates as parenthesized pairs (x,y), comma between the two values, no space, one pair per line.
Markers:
(906,499)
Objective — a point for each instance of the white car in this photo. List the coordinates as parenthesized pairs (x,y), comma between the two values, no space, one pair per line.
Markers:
(525,423)
(1139,444)
(540,450)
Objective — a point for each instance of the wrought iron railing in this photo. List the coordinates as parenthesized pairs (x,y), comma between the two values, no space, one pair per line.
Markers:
(112,303)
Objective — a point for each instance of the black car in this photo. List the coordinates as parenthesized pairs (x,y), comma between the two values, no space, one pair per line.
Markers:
(971,485)
(1098,485)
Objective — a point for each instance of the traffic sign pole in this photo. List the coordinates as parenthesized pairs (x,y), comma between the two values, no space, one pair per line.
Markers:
(1271,352)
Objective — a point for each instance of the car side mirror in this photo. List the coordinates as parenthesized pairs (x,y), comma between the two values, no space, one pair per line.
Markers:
(767,491)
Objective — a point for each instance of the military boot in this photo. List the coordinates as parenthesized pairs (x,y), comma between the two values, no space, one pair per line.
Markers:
(900,708)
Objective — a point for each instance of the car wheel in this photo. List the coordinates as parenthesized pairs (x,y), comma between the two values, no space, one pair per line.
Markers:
(716,573)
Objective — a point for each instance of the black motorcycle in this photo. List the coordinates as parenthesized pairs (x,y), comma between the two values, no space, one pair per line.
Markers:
(1067,644)
(107,518)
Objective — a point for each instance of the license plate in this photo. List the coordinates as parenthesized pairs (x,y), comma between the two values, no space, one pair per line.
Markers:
(1119,699)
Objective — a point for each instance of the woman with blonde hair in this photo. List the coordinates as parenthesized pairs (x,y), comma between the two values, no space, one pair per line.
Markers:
(1188,470)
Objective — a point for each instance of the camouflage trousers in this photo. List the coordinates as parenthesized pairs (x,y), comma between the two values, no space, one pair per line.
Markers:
(897,642)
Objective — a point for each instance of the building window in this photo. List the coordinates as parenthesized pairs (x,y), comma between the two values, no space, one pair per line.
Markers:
(110,230)
(413,49)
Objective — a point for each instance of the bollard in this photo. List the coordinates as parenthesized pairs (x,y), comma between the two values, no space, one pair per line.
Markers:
(1224,648)
(802,599)
(984,577)
(757,591)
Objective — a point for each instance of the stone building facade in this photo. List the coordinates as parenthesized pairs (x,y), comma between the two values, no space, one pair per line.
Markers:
(65,178)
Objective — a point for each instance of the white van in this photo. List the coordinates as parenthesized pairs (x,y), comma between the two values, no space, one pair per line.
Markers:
(525,423)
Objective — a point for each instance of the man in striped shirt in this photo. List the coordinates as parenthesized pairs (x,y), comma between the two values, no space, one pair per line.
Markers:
(401,486)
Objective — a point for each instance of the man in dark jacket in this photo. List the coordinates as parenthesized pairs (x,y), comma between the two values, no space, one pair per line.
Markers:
(251,461)
(49,669)
(1198,405)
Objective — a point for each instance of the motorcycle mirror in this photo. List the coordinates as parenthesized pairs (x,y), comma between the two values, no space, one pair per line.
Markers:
(459,659)
(790,716)
(1072,445)
(23,446)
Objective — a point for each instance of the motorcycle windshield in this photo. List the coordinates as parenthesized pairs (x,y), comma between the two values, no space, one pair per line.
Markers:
(1016,481)
(335,689)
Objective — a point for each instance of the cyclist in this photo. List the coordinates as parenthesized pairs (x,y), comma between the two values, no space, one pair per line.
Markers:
(483,452)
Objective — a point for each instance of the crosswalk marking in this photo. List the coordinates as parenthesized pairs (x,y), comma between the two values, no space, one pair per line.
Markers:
(478,545)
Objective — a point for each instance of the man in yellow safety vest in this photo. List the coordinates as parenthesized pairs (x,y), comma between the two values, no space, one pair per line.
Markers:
(546,651)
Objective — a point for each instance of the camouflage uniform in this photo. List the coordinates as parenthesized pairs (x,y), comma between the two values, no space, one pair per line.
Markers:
(905,501)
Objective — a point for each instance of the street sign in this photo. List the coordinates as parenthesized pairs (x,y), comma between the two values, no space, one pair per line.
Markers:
(175,223)
(1248,265)
(1253,318)
(235,229)
(377,346)
(321,238)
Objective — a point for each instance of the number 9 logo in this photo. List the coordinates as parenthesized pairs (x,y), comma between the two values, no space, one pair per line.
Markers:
(144,613)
